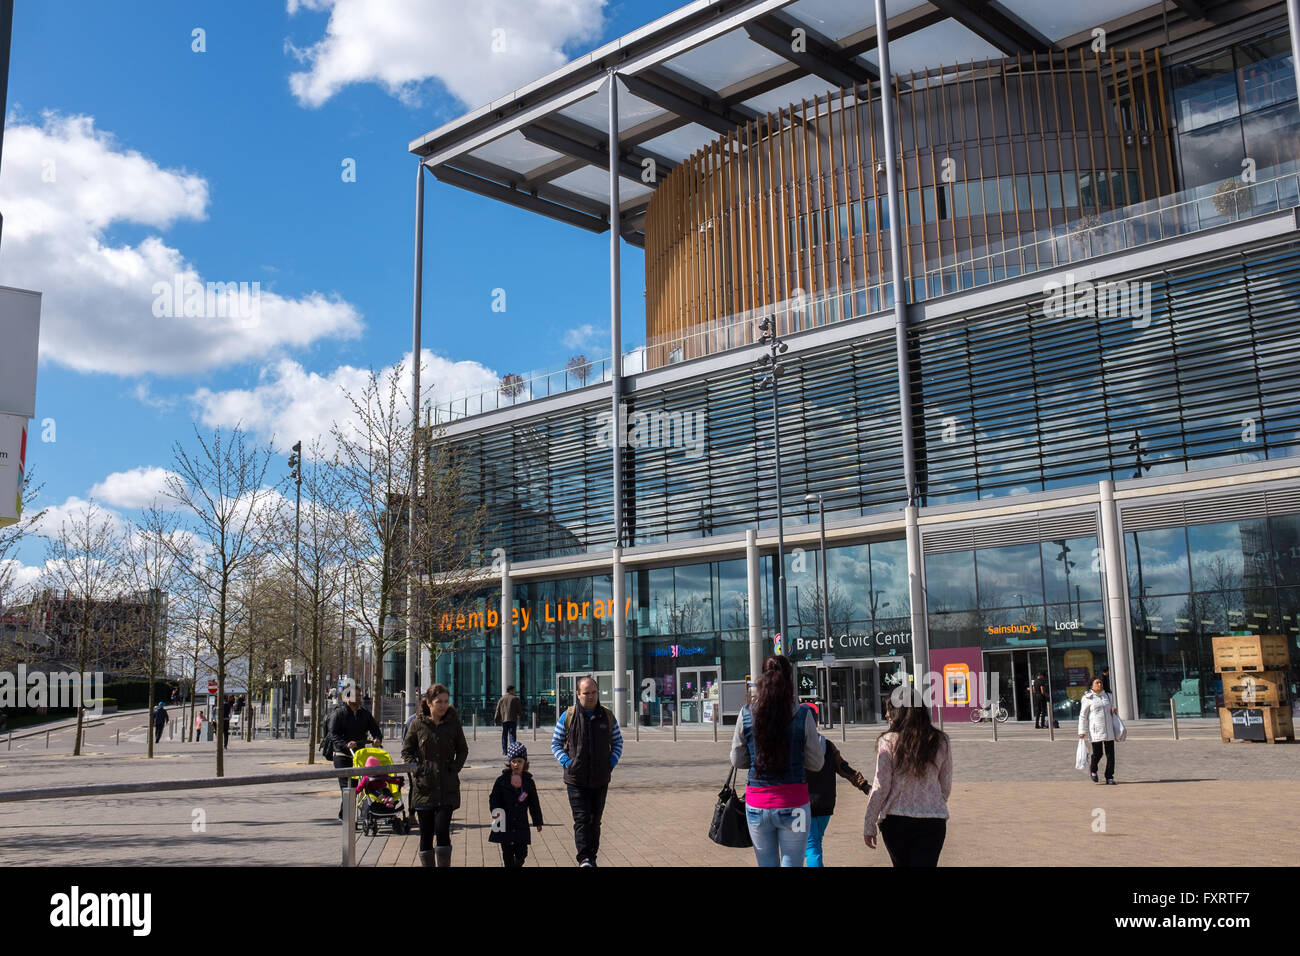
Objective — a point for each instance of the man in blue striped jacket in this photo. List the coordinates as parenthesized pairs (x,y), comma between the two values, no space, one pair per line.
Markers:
(587,743)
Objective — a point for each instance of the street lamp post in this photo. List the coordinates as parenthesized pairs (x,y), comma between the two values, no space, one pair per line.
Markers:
(769,370)
(295,472)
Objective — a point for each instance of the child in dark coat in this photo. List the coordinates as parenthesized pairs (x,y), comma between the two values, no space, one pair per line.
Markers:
(513,798)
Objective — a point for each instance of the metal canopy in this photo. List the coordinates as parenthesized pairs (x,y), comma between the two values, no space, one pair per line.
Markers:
(713,66)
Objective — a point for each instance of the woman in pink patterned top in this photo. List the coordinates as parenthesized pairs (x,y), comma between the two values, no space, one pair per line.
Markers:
(910,796)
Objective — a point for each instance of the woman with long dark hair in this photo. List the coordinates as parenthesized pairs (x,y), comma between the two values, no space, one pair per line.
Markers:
(436,742)
(913,781)
(777,740)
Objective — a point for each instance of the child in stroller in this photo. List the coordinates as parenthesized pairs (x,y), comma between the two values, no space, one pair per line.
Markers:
(379,795)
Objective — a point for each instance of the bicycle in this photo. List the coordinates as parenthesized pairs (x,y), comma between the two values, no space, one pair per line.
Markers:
(981,714)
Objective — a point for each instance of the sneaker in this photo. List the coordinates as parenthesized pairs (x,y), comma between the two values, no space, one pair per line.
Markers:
(1110,780)
(1094,777)
(586,863)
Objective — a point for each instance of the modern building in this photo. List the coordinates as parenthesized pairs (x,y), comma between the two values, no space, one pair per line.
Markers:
(1070,446)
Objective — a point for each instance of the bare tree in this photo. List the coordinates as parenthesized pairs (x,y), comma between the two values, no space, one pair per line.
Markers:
(512,385)
(222,488)
(82,562)
(151,567)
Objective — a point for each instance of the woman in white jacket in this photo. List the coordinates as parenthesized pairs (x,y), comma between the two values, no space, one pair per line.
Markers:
(1097,725)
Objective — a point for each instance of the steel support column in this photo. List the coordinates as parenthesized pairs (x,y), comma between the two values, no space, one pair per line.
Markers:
(616,383)
(915,566)
(1120,643)
(507,630)
(1293,18)
(411,692)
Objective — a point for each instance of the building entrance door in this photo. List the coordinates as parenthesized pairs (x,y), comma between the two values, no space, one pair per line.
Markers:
(697,694)
(1016,670)
(850,685)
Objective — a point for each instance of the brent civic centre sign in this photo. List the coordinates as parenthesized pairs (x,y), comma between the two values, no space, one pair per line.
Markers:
(874,644)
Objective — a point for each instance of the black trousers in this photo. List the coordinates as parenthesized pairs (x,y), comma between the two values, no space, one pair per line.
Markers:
(157,732)
(513,854)
(1040,711)
(1109,746)
(434,822)
(507,736)
(588,806)
(913,841)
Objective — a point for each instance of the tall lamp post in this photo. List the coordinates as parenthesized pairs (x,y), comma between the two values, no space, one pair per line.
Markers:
(295,472)
(768,370)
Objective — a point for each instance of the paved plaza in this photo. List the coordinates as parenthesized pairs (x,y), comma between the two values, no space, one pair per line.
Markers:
(1015,801)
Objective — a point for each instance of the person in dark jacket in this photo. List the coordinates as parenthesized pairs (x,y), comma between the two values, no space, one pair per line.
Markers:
(821,798)
(513,799)
(349,727)
(587,743)
(160,719)
(435,741)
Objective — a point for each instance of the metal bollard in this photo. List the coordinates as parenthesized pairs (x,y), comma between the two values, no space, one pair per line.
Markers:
(715,726)
(1173,713)
(636,720)
(993,719)
(674,726)
(47,740)
(940,710)
(1051,724)
(534,726)
(349,831)
(476,726)
(844,728)
(10,744)
(117,742)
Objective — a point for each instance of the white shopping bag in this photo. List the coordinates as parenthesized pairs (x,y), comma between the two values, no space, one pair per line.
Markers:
(1121,732)
(1081,755)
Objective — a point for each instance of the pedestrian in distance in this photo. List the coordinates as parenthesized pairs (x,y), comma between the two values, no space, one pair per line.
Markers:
(588,744)
(436,742)
(199,720)
(821,798)
(512,800)
(160,718)
(350,726)
(509,709)
(910,794)
(1097,726)
(226,707)
(776,738)
(1042,712)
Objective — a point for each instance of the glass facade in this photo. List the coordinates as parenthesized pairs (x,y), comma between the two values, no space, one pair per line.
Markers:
(1189,584)
(1017,603)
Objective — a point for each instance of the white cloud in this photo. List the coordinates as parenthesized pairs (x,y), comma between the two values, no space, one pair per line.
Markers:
(18,576)
(584,336)
(291,403)
(137,488)
(478,51)
(65,185)
(71,511)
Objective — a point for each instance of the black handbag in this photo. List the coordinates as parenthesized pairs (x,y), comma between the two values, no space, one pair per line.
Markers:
(729,827)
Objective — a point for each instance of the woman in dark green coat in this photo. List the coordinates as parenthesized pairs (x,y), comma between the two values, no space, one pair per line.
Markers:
(436,742)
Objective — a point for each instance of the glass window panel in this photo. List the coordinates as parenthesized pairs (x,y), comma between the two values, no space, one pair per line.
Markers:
(950,581)
(1230,555)
(1286,547)
(1205,92)
(1264,73)
(1157,562)
(1072,570)
(1009,577)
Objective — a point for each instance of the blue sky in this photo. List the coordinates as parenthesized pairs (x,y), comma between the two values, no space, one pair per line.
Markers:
(128,154)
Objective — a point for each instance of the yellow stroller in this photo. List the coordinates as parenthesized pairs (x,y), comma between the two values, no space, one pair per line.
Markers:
(378,794)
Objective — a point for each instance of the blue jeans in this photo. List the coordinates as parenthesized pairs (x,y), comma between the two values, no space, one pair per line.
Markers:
(507,734)
(780,835)
(813,857)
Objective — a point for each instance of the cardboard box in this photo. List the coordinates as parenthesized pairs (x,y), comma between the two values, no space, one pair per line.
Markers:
(1255,689)
(1266,724)
(1254,652)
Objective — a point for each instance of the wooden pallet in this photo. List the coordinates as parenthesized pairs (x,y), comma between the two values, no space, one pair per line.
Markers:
(1277,723)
